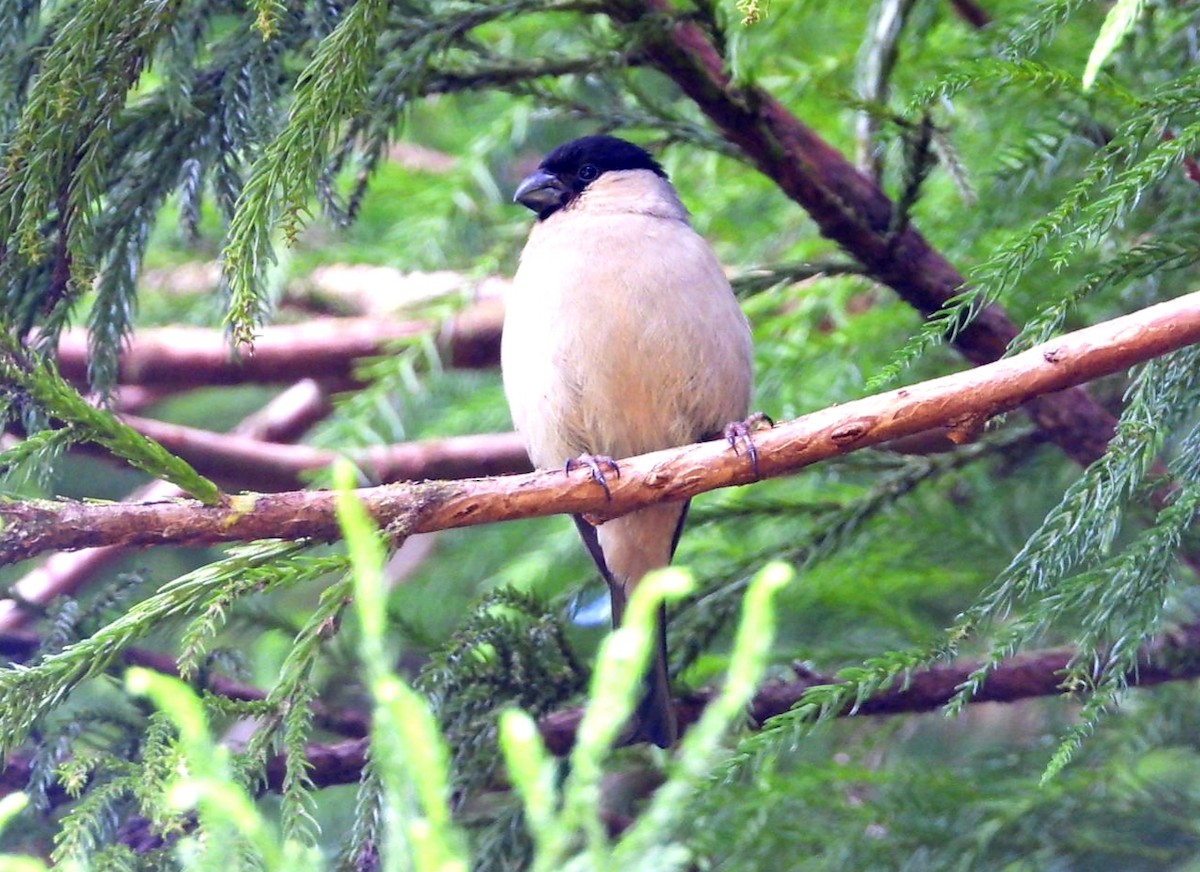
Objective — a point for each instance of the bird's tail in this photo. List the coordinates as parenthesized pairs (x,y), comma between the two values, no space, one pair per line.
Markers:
(654,718)
(655,713)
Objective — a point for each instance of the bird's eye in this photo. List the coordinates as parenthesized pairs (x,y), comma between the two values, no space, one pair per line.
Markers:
(588,173)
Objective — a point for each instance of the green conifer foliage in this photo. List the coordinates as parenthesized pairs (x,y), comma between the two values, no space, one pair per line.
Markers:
(450,701)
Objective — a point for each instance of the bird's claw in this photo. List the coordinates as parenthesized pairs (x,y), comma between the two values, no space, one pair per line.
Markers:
(740,431)
(596,463)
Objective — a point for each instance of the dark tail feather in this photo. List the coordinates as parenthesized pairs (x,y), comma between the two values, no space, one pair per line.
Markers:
(655,713)
(654,717)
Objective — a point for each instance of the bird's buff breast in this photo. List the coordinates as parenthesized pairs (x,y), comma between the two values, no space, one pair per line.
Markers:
(609,342)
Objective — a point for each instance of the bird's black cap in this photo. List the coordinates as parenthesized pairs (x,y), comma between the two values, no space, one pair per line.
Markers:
(566,172)
(603,152)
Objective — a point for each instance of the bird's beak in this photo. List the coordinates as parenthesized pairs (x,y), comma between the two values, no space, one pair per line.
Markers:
(540,191)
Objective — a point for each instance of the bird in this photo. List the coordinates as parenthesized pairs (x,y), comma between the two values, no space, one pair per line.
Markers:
(621,336)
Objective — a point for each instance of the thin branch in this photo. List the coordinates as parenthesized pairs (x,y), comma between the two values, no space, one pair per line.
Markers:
(848,206)
(289,415)
(1172,657)
(250,463)
(877,59)
(972,13)
(756,280)
(505,73)
(135,398)
(959,403)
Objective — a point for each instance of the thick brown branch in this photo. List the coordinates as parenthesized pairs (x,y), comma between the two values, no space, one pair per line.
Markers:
(959,403)
(326,348)
(848,207)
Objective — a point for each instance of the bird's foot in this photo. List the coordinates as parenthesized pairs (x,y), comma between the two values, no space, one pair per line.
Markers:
(596,463)
(740,431)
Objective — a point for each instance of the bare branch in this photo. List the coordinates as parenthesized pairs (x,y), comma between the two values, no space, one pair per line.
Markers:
(959,403)
(250,463)
(325,348)
(972,13)
(877,59)
(1172,657)
(1169,658)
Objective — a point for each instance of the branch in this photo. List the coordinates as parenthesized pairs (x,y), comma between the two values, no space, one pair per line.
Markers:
(848,207)
(326,348)
(1173,657)
(876,61)
(1038,674)
(959,403)
(972,13)
(170,358)
(504,74)
(251,463)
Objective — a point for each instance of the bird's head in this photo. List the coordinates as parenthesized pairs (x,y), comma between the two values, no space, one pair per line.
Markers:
(568,171)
